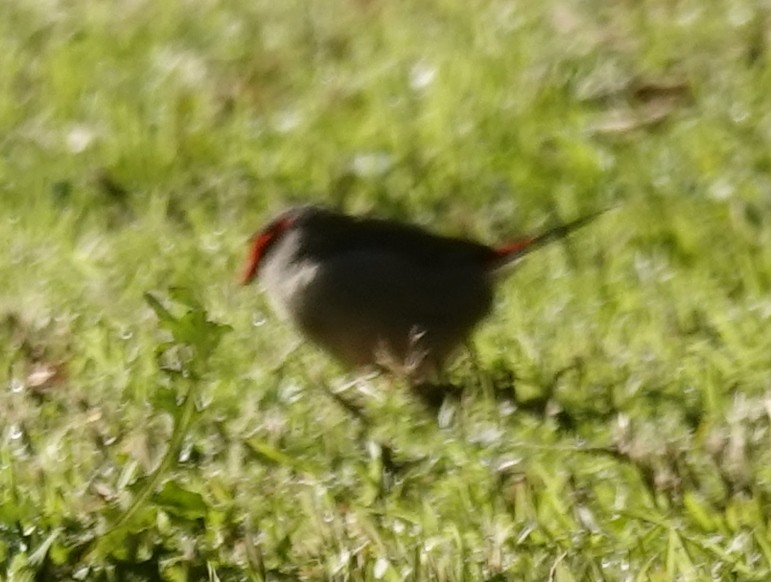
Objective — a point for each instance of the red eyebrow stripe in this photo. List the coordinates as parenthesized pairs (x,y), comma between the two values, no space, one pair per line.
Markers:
(255,255)
(260,244)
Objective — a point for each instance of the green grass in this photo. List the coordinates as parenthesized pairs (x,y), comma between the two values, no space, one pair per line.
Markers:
(615,420)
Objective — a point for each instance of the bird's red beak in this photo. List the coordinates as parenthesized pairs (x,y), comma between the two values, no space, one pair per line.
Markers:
(260,244)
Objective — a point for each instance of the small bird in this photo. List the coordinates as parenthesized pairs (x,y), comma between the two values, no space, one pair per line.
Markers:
(375,292)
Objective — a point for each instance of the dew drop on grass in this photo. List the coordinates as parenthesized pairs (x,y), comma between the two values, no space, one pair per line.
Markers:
(78,138)
(739,113)
(371,164)
(290,393)
(185,453)
(211,243)
(722,189)
(287,122)
(16,385)
(14,432)
(422,75)
(507,408)
(381,567)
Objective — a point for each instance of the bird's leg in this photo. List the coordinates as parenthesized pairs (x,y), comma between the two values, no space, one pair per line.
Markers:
(414,366)
(483,379)
(433,394)
(391,462)
(436,393)
(353,408)
(497,382)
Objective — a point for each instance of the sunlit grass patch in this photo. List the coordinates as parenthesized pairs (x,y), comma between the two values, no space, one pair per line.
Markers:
(614,417)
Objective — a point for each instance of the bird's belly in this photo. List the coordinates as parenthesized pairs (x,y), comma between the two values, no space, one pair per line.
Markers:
(368,310)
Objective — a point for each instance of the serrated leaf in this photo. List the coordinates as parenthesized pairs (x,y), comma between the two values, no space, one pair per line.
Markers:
(184,296)
(163,314)
(193,328)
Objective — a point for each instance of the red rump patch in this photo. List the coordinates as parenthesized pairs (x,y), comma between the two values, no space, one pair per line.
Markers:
(513,248)
(260,244)
(512,251)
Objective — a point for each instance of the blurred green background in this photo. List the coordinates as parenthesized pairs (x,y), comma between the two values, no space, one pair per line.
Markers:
(615,419)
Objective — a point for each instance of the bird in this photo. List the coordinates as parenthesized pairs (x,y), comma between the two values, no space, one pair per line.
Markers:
(379,293)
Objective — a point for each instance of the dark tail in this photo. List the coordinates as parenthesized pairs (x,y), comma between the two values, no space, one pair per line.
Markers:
(518,249)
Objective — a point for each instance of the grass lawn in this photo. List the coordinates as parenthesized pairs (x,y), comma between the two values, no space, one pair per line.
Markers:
(158,422)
